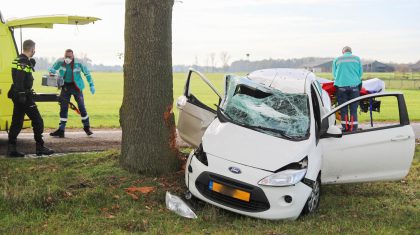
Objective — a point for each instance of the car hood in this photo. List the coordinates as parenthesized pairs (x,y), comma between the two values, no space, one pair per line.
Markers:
(252,148)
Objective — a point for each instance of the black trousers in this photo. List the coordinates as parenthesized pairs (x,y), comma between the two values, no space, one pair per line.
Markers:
(31,110)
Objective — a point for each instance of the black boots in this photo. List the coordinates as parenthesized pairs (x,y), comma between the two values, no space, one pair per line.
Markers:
(12,151)
(87,130)
(58,133)
(42,150)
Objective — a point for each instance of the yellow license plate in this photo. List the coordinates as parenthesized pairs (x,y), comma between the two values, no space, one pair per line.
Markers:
(229,191)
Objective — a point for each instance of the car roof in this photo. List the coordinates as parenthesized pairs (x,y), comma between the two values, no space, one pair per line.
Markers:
(285,80)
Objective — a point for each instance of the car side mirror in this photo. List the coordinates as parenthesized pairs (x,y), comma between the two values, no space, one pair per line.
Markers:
(332,132)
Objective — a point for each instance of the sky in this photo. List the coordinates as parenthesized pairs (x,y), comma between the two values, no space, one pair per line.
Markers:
(388,31)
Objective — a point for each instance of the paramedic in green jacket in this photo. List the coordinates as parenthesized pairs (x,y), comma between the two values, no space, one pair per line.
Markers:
(70,69)
(347,72)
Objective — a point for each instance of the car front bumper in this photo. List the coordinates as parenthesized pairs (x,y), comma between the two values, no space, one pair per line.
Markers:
(266,202)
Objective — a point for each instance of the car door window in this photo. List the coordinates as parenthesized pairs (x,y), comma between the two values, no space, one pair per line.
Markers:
(373,113)
(316,111)
(201,93)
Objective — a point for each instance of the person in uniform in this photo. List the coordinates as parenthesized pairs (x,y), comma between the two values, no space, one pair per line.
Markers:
(21,94)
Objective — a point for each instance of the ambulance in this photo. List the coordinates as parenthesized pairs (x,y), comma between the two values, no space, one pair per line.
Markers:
(9,51)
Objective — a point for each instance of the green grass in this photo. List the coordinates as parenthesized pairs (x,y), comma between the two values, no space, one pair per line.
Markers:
(103,107)
(84,194)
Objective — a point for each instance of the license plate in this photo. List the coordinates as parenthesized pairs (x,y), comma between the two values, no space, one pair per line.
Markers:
(229,191)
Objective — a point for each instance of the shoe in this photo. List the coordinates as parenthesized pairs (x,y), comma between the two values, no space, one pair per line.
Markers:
(88,131)
(58,133)
(12,151)
(42,150)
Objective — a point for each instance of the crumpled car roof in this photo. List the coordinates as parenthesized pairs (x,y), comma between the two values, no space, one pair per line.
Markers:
(285,80)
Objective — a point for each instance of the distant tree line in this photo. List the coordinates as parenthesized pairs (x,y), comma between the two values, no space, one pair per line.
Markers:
(306,62)
(221,64)
(249,66)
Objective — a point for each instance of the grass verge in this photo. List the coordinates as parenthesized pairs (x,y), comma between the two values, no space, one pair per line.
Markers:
(85,194)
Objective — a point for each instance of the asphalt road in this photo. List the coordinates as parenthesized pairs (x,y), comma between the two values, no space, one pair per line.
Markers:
(77,141)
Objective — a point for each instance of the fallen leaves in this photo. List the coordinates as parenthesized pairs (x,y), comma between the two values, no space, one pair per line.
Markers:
(133,196)
(131,191)
(109,213)
(143,190)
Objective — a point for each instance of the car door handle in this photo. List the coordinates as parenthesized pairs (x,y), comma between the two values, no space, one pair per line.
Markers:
(400,138)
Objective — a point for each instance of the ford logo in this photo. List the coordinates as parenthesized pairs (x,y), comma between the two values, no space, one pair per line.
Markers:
(235,170)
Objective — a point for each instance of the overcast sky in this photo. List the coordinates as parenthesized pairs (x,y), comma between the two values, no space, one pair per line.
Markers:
(375,29)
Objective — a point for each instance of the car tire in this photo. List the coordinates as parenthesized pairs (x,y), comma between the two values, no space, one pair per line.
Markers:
(312,203)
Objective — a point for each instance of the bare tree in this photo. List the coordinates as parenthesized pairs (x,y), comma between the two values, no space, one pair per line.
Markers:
(195,65)
(146,117)
(207,63)
(213,61)
(84,58)
(224,58)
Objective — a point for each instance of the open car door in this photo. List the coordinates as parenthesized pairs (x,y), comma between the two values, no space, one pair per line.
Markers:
(196,115)
(382,147)
(49,21)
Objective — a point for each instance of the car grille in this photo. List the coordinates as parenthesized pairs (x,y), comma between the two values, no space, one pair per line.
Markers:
(258,201)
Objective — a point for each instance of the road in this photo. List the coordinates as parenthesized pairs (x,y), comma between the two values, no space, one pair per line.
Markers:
(77,141)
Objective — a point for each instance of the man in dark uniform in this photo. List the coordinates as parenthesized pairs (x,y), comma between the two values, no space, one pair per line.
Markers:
(23,103)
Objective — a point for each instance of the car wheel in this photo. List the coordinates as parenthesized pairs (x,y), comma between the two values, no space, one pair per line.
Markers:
(313,201)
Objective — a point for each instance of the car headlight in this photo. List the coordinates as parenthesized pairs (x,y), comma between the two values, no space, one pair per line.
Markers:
(284,178)
(288,175)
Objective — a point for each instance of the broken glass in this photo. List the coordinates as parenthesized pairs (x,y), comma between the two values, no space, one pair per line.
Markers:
(266,110)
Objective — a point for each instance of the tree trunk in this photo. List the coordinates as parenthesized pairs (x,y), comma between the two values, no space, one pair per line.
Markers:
(146,117)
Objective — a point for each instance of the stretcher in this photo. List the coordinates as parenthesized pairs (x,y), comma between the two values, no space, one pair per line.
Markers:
(370,86)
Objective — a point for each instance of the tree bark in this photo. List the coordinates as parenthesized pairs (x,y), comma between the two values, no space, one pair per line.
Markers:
(146,117)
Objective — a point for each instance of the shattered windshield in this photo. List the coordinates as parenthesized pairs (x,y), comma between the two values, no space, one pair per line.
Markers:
(266,110)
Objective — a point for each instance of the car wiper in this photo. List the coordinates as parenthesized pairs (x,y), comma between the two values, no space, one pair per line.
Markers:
(272,130)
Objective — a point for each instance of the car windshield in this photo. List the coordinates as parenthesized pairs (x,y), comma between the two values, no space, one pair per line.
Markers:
(270,111)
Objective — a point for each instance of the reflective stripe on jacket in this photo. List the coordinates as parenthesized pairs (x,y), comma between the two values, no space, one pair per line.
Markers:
(347,70)
(79,68)
(22,69)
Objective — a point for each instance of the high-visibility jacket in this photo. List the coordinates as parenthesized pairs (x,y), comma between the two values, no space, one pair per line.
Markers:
(22,68)
(77,67)
(347,70)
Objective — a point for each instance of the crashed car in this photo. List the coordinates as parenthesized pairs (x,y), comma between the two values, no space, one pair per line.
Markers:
(272,139)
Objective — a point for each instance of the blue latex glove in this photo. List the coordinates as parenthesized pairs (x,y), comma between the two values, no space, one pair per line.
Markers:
(92,89)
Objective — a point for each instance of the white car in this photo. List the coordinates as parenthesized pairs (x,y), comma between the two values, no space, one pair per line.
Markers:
(272,139)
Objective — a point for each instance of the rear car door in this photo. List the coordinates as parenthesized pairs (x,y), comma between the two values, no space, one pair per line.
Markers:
(382,148)
(197,107)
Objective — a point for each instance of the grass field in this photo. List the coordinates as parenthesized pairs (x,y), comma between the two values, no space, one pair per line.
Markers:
(103,107)
(85,194)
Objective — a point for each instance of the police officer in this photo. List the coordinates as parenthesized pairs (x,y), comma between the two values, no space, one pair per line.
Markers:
(22,96)
(347,71)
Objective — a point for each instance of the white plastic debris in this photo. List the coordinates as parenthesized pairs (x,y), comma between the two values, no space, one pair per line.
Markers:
(177,205)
